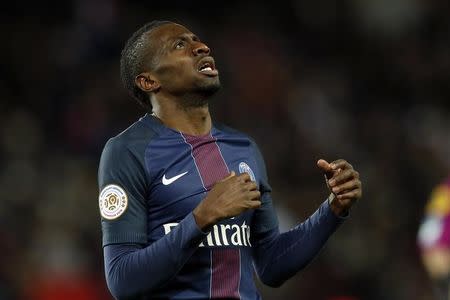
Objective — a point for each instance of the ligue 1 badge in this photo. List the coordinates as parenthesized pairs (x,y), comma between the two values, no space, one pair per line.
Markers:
(244,168)
(113,202)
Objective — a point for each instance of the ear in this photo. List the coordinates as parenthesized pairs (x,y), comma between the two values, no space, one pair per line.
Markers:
(147,82)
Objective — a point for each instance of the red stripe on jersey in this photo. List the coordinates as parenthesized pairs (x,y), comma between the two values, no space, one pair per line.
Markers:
(225,263)
(208,158)
(225,273)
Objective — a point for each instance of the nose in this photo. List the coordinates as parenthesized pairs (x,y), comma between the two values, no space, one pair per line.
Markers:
(201,49)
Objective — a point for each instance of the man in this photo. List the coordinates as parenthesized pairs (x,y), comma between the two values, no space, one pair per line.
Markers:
(434,239)
(185,203)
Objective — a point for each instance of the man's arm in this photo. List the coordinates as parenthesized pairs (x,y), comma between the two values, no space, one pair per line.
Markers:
(277,257)
(131,268)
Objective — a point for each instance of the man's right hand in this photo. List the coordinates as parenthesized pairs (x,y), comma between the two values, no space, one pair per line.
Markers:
(228,198)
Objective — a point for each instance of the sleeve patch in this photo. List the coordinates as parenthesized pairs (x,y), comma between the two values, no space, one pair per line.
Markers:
(113,202)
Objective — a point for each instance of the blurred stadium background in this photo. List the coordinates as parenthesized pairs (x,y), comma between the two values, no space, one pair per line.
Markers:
(365,80)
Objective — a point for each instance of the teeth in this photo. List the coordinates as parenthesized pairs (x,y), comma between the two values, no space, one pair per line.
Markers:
(206,66)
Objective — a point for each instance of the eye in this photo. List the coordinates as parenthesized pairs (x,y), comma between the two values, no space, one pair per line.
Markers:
(179,45)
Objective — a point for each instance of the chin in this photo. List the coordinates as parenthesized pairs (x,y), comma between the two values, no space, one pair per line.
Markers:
(208,88)
(200,94)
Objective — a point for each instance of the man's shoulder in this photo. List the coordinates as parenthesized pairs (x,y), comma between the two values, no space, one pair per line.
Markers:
(135,137)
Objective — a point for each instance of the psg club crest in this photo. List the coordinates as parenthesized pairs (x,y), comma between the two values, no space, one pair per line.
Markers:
(244,168)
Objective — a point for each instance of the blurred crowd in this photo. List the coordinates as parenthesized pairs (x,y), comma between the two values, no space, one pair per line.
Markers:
(368,81)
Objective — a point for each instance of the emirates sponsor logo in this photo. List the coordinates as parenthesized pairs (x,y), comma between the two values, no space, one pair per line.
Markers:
(222,235)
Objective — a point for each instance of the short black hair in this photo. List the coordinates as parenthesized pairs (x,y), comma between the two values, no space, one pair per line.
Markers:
(132,61)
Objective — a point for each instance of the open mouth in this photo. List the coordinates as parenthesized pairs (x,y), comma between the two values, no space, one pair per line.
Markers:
(207,67)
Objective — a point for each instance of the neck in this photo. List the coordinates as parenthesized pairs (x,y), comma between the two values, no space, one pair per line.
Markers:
(192,120)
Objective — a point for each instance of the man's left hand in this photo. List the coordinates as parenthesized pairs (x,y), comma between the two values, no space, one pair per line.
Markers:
(344,184)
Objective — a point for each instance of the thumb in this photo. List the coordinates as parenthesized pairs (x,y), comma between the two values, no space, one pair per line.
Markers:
(324,165)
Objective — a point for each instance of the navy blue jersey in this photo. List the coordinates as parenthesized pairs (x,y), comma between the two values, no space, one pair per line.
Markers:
(152,177)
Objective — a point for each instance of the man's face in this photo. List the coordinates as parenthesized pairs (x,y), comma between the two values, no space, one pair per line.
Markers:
(181,62)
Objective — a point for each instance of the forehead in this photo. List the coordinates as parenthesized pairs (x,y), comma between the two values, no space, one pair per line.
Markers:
(167,32)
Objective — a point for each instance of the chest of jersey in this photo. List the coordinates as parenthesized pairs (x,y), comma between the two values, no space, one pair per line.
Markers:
(183,169)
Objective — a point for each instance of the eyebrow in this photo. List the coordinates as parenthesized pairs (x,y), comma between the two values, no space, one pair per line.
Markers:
(185,37)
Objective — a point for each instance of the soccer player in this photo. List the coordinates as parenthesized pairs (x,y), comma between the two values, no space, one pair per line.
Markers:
(434,239)
(185,203)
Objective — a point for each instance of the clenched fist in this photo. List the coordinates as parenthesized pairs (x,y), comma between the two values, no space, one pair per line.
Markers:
(344,184)
(228,198)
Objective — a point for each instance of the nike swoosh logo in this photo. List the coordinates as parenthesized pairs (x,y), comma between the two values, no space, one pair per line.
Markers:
(167,181)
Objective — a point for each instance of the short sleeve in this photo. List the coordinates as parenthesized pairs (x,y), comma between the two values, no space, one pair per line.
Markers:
(122,183)
(265,219)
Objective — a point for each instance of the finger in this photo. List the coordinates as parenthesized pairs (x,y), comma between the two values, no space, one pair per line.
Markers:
(330,175)
(342,177)
(347,186)
(340,164)
(251,186)
(253,204)
(232,174)
(254,195)
(354,194)
(244,177)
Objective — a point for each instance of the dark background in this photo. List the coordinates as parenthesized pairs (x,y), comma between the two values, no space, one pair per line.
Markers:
(365,80)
